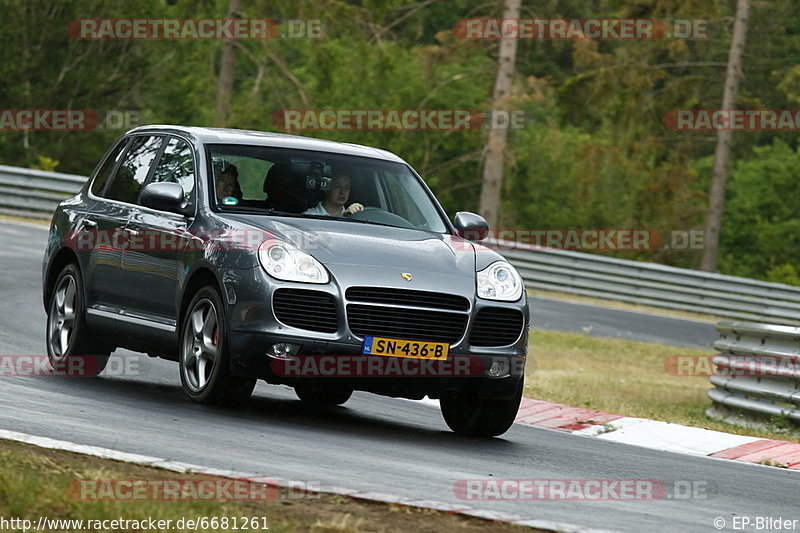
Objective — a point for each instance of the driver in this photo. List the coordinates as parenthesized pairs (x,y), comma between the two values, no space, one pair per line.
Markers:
(335,200)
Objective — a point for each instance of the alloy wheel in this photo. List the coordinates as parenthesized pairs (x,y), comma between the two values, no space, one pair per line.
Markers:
(201,345)
(62,318)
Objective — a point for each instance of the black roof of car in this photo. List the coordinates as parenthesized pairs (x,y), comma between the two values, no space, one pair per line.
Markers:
(280,140)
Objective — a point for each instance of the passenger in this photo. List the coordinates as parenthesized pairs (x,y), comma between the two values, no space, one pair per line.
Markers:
(335,200)
(227,180)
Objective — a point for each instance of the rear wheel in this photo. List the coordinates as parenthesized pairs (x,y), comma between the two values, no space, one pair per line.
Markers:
(204,362)
(468,414)
(69,344)
(323,396)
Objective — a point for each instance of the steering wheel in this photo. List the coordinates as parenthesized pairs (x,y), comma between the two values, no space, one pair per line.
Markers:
(381,216)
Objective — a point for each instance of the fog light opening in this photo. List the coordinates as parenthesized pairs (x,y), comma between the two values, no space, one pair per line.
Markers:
(284,351)
(499,367)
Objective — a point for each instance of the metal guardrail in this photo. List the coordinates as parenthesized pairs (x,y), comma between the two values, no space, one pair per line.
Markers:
(758,370)
(37,193)
(653,284)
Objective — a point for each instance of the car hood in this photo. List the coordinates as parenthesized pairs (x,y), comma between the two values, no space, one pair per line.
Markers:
(351,250)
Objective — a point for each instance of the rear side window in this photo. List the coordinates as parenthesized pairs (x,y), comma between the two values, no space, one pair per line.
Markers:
(177,166)
(134,169)
(101,178)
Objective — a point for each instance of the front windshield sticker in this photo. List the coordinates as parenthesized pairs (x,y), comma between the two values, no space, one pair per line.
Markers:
(230,200)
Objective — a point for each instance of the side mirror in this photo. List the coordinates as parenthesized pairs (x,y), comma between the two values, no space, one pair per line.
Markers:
(164,197)
(471,226)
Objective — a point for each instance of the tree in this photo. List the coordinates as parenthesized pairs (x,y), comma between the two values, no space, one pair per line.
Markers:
(225,82)
(760,236)
(496,145)
(722,154)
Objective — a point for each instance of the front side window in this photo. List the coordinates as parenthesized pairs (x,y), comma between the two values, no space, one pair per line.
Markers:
(176,165)
(319,184)
(134,169)
(111,161)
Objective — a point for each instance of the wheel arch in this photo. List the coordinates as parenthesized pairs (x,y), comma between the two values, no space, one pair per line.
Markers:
(200,278)
(62,258)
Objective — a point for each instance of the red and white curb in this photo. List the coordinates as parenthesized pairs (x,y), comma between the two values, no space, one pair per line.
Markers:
(175,466)
(658,435)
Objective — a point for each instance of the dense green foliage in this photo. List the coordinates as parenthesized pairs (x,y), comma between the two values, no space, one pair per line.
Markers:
(594,152)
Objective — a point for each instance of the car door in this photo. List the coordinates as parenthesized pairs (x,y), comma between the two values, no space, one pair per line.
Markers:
(153,259)
(108,221)
(94,229)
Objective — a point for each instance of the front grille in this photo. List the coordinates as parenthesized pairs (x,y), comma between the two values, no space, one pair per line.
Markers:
(496,326)
(304,309)
(411,324)
(433,300)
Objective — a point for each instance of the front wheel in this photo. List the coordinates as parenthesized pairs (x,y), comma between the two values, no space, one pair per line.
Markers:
(467,414)
(204,363)
(69,344)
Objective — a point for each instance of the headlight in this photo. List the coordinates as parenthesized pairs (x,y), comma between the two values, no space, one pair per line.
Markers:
(285,262)
(499,281)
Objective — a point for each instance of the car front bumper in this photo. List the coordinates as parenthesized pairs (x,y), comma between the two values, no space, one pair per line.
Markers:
(336,358)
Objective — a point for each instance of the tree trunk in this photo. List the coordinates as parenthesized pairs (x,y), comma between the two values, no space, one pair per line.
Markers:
(225,82)
(722,154)
(496,144)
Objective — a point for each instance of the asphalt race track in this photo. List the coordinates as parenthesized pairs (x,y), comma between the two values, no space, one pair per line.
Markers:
(599,321)
(372,444)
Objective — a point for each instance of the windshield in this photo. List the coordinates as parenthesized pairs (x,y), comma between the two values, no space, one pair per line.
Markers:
(318,184)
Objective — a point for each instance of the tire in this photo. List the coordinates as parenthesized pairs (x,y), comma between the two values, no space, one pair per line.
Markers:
(467,414)
(70,346)
(322,396)
(204,363)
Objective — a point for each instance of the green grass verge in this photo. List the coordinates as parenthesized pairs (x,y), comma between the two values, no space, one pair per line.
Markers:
(35,482)
(25,220)
(625,378)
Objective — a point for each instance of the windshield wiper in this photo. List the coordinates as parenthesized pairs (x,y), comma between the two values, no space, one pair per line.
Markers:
(259,211)
(347,219)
